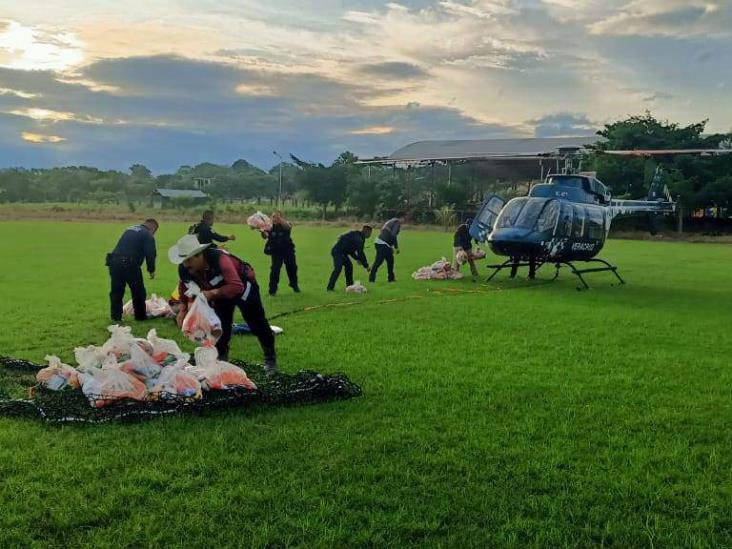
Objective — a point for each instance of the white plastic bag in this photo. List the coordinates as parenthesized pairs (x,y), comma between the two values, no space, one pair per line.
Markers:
(175,382)
(356,288)
(155,307)
(259,221)
(89,357)
(57,375)
(141,365)
(215,374)
(201,323)
(120,341)
(165,351)
(106,385)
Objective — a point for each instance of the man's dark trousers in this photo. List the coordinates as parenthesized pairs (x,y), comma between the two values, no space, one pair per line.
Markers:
(123,273)
(288,258)
(253,313)
(340,262)
(383,253)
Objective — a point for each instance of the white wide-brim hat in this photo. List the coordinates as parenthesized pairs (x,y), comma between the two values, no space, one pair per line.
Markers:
(185,248)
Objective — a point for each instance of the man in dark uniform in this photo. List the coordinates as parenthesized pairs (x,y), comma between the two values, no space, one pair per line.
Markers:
(204,230)
(125,267)
(227,283)
(348,244)
(386,246)
(282,250)
(462,241)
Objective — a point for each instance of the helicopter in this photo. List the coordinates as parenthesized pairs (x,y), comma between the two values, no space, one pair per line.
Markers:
(566,219)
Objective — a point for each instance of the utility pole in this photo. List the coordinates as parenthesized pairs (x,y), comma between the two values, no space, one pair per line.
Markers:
(279,194)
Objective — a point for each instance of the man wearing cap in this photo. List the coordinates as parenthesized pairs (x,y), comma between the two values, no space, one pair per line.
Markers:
(386,246)
(349,245)
(227,283)
(204,230)
(462,241)
(137,244)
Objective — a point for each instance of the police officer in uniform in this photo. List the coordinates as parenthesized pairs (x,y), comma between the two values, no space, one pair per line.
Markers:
(204,230)
(386,246)
(349,245)
(137,244)
(282,250)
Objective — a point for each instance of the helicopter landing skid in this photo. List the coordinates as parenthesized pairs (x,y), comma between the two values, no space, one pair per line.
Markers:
(536,265)
(514,266)
(607,267)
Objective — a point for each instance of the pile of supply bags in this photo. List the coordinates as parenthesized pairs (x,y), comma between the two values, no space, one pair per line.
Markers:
(156,307)
(126,367)
(260,222)
(439,270)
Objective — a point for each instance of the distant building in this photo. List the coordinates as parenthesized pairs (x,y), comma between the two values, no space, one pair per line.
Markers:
(162,197)
(202,182)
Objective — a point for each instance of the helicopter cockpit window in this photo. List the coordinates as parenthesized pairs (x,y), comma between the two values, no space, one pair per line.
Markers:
(549,215)
(530,213)
(510,213)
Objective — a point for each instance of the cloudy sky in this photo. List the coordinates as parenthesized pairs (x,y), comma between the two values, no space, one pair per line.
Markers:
(175,82)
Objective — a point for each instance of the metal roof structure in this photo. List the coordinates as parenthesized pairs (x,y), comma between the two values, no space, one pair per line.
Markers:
(181,193)
(484,149)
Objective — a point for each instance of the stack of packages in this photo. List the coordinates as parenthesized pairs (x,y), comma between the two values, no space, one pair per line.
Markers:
(156,307)
(151,369)
(439,270)
(259,222)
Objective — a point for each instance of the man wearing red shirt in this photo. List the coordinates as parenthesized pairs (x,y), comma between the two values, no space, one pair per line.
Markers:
(227,283)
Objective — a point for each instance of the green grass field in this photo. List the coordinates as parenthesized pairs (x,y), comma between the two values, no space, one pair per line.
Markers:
(525,414)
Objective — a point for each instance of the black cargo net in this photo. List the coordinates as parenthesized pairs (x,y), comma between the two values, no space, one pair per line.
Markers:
(72,406)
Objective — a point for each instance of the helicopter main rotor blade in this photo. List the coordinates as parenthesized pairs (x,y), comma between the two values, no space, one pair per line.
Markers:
(664,152)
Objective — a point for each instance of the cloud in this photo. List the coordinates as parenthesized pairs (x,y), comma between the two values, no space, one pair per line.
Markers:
(39,138)
(47,115)
(373,130)
(676,18)
(393,70)
(37,48)
(563,125)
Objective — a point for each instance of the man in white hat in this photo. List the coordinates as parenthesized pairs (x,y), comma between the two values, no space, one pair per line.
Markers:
(227,283)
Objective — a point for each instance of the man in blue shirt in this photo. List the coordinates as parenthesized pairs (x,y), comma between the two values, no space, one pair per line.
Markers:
(137,244)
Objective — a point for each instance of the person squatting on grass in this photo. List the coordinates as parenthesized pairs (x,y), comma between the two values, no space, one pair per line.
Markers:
(462,241)
(348,244)
(386,246)
(282,250)
(227,283)
(204,230)
(137,244)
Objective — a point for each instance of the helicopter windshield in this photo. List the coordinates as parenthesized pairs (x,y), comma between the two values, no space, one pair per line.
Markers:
(529,213)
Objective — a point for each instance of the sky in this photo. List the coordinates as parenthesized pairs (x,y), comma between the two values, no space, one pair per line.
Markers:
(175,82)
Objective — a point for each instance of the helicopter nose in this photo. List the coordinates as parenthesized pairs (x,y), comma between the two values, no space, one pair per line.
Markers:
(514,242)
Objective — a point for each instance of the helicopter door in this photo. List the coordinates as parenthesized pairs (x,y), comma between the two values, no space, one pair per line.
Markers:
(564,227)
(483,223)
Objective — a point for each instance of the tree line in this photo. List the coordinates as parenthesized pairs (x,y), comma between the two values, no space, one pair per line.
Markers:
(345,187)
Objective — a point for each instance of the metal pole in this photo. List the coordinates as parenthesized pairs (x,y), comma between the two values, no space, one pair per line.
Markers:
(279,194)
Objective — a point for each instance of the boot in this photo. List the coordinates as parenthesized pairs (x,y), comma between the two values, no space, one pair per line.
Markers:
(270,361)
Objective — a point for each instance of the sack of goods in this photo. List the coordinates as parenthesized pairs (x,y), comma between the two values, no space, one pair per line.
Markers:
(153,369)
(259,222)
(439,270)
(461,257)
(155,307)
(216,374)
(478,253)
(356,288)
(201,324)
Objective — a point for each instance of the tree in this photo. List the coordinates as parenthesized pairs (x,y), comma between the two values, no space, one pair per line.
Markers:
(139,171)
